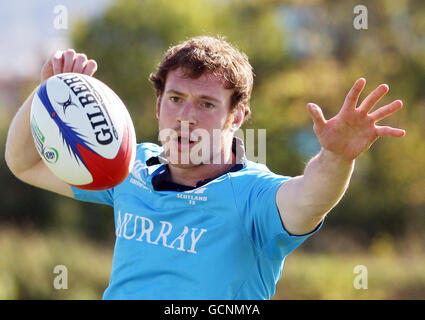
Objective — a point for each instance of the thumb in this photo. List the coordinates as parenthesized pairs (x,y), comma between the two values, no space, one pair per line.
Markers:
(317,115)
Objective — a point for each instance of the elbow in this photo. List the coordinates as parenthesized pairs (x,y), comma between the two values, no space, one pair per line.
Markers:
(8,157)
(10,163)
(318,210)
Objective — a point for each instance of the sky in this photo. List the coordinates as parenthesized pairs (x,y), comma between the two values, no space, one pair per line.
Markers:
(30,31)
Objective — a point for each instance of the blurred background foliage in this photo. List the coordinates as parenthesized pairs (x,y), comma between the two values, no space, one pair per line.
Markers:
(301,51)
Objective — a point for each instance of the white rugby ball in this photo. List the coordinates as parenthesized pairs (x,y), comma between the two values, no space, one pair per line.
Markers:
(83,131)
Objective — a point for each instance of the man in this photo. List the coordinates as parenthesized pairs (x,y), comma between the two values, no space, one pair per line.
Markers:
(194,227)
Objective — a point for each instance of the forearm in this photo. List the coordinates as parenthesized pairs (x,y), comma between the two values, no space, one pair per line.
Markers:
(325,180)
(21,153)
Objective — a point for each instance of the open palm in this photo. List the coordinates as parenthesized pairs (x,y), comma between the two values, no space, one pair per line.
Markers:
(353,130)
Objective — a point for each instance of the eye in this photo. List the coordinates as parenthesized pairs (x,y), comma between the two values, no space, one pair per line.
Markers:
(208,105)
(175,99)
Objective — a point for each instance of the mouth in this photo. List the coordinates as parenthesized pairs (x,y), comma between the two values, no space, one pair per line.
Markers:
(185,142)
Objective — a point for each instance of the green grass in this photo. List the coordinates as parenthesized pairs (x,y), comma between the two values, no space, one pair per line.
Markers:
(324,276)
(27,260)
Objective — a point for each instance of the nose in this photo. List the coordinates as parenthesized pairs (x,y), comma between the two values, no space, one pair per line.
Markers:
(187,113)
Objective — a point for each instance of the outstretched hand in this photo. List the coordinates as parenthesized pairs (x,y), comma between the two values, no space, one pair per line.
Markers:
(353,130)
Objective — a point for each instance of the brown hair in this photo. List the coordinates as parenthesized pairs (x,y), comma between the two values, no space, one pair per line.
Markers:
(207,54)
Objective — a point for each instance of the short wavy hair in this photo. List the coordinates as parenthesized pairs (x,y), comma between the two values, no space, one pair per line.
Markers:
(208,54)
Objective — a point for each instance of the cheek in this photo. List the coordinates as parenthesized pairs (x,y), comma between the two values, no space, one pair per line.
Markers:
(164,124)
(216,120)
(165,115)
(228,121)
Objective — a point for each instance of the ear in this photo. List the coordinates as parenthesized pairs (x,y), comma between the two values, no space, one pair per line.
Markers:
(238,116)
(158,105)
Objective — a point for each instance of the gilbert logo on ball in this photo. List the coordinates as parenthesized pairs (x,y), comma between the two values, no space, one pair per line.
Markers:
(83,131)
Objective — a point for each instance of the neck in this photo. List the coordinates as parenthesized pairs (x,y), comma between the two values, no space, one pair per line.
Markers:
(190,175)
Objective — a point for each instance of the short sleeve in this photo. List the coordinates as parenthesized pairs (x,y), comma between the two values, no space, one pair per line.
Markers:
(261,217)
(101,197)
(144,151)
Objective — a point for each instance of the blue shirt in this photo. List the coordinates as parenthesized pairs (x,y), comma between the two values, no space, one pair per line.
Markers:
(223,239)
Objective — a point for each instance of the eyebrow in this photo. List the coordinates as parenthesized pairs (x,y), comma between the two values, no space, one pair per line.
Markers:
(203,97)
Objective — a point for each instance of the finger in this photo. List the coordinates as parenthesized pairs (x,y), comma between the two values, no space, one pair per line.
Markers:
(79,63)
(386,111)
(352,97)
(370,101)
(90,67)
(68,60)
(57,62)
(317,115)
(384,131)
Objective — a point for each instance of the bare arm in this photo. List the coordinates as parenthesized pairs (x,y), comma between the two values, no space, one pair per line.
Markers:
(305,200)
(23,159)
(21,155)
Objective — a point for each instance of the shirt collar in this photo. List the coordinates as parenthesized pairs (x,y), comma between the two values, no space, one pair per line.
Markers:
(162,180)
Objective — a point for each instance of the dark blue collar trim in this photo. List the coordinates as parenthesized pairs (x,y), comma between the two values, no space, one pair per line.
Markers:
(162,180)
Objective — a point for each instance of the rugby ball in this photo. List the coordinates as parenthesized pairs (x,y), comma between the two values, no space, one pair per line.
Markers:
(83,131)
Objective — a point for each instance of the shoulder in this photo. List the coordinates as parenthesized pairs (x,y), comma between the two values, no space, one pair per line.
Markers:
(252,170)
(149,146)
(146,150)
(255,175)
(257,167)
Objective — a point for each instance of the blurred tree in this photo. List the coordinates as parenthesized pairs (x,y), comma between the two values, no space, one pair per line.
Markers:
(131,38)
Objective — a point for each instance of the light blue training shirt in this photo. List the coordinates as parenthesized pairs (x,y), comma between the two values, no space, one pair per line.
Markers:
(221,240)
